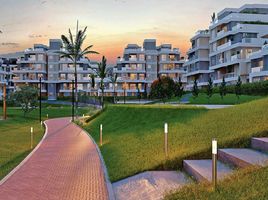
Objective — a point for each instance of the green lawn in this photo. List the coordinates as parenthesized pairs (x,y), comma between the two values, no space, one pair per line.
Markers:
(15,133)
(216,99)
(133,135)
(248,184)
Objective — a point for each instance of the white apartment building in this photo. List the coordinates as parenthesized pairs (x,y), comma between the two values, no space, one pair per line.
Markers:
(56,73)
(234,36)
(140,66)
(197,63)
(258,63)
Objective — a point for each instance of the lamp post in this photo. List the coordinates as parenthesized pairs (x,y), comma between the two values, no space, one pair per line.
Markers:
(31,137)
(40,97)
(4,102)
(166,139)
(101,135)
(214,163)
(72,100)
(124,87)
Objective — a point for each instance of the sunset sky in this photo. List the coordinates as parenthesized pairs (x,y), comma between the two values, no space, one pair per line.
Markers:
(112,24)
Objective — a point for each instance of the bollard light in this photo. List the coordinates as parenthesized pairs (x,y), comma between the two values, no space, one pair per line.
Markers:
(214,163)
(166,139)
(31,137)
(47,116)
(101,135)
(41,123)
(83,115)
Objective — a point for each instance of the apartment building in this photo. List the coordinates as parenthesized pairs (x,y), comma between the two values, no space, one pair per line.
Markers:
(234,36)
(6,67)
(140,66)
(258,63)
(197,63)
(56,73)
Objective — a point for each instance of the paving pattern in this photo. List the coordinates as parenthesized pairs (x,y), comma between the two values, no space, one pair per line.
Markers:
(65,166)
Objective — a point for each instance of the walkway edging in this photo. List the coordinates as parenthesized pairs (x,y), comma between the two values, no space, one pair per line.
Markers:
(25,159)
(104,168)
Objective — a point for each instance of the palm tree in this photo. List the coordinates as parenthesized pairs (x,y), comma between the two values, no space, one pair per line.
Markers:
(92,78)
(73,51)
(113,80)
(102,73)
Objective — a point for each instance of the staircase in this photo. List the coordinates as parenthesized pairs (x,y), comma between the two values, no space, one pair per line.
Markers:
(154,184)
(228,159)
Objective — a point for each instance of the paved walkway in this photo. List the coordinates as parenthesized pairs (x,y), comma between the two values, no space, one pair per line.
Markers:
(65,166)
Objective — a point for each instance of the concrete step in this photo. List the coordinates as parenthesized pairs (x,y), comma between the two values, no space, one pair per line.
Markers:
(149,185)
(243,157)
(260,143)
(201,170)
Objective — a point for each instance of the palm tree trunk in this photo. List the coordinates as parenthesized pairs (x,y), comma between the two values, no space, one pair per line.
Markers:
(76,93)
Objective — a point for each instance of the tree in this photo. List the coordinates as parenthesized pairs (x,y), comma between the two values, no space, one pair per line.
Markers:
(162,88)
(102,73)
(210,88)
(93,83)
(73,51)
(238,90)
(223,88)
(27,98)
(213,17)
(178,89)
(113,80)
(195,90)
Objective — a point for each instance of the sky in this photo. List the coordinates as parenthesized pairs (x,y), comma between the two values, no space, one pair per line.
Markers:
(112,24)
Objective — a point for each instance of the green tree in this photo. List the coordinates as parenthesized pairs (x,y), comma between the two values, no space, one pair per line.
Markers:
(209,89)
(178,89)
(195,90)
(73,50)
(113,80)
(162,88)
(26,97)
(223,88)
(238,89)
(102,74)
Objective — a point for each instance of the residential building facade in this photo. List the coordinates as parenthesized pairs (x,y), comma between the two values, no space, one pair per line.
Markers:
(140,66)
(197,64)
(234,36)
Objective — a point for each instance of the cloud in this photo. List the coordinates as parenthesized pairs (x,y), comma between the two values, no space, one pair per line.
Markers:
(36,36)
(10,44)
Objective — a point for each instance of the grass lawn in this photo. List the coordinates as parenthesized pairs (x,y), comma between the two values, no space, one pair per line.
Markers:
(245,184)
(216,99)
(15,133)
(133,135)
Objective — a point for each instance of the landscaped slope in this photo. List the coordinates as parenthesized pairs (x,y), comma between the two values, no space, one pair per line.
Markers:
(247,184)
(15,134)
(133,135)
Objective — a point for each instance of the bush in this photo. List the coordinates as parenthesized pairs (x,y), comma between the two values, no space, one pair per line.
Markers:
(257,88)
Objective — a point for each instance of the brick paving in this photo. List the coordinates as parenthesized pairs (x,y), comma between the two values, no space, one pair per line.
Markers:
(65,166)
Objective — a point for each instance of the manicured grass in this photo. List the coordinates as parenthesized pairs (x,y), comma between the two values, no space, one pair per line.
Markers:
(133,135)
(15,133)
(245,184)
(216,99)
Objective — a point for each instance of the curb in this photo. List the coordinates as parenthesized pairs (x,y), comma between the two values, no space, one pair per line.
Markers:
(107,180)
(25,159)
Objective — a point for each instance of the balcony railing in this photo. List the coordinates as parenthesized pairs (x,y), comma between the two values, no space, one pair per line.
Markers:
(223,46)
(257,69)
(235,57)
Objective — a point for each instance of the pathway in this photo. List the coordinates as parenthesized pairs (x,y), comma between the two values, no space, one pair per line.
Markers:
(65,166)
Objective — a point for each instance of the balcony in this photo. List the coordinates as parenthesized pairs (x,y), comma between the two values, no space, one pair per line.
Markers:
(235,57)
(257,69)
(220,33)
(223,46)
